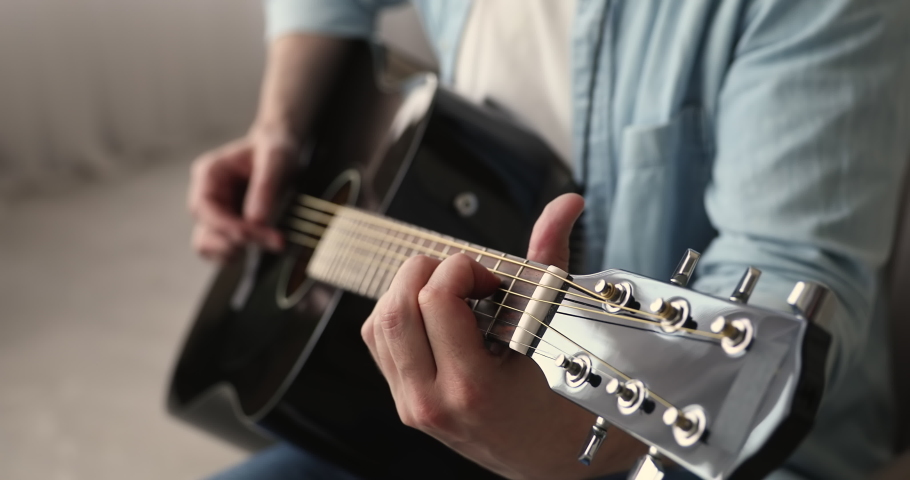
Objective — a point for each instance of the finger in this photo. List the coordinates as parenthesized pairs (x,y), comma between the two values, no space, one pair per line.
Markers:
(269,166)
(213,246)
(450,323)
(213,181)
(383,356)
(550,239)
(376,344)
(402,326)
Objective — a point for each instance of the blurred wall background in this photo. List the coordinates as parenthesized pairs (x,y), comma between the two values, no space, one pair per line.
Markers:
(103,103)
(88,87)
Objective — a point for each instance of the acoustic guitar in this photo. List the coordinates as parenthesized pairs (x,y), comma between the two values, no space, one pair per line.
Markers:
(721,388)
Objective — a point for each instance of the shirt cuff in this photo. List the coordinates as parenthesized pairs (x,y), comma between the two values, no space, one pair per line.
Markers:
(342,18)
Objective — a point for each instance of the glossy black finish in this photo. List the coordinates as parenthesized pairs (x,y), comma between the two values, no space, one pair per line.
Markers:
(303,374)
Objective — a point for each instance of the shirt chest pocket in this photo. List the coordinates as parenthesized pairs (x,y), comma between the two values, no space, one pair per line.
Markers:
(658,205)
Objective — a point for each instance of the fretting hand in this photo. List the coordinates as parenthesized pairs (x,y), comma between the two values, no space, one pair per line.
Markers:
(496,409)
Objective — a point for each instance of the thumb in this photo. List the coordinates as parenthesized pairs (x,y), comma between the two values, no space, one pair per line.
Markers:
(550,238)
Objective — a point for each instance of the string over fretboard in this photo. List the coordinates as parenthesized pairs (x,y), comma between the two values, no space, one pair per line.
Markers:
(361,252)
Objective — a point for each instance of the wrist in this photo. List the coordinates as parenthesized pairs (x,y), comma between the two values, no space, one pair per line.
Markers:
(274,131)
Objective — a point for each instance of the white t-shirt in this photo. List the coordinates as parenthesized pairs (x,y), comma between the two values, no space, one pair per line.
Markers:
(516,53)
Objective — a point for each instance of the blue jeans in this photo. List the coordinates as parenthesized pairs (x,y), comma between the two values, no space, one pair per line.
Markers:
(284,462)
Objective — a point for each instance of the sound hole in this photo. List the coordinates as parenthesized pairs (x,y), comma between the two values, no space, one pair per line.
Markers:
(294,282)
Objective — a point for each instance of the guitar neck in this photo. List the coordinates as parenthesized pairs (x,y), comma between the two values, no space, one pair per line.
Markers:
(361,252)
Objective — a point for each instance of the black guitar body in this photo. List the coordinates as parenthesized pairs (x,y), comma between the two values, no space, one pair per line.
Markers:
(273,352)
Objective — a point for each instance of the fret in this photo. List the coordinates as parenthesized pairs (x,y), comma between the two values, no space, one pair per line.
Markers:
(346,250)
(332,241)
(506,296)
(375,281)
(371,267)
(363,256)
(390,276)
(370,277)
(350,265)
(409,239)
(388,272)
(479,259)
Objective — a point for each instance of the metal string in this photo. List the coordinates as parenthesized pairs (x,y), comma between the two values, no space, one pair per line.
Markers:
(320,204)
(392,225)
(432,252)
(616,372)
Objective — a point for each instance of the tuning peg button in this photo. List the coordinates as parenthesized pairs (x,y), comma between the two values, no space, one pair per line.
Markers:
(746,285)
(595,440)
(811,300)
(648,467)
(686,268)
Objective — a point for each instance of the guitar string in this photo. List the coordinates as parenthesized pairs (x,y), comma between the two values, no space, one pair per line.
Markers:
(536,350)
(333,208)
(393,268)
(379,221)
(509,291)
(389,267)
(432,252)
(372,247)
(615,371)
(302,209)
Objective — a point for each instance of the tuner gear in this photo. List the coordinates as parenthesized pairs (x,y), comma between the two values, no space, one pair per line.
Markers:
(736,335)
(631,396)
(578,370)
(615,295)
(688,426)
(673,314)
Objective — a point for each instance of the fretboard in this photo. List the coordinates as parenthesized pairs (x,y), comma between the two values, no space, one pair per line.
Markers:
(361,252)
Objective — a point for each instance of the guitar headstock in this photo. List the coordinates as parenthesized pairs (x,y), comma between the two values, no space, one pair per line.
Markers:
(722,388)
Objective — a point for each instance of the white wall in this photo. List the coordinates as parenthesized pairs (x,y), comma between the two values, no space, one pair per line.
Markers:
(88,87)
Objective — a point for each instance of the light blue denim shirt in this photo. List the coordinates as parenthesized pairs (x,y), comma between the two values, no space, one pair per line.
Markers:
(771,133)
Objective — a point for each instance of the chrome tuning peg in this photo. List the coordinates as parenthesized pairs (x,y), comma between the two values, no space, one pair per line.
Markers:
(811,300)
(595,440)
(648,467)
(686,268)
(746,285)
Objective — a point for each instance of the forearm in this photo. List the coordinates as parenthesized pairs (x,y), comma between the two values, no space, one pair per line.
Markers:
(299,72)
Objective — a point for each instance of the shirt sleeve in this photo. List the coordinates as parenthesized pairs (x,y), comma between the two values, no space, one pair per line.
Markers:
(343,18)
(811,136)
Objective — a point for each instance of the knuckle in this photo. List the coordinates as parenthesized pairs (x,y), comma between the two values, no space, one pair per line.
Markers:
(426,414)
(201,165)
(427,296)
(390,319)
(366,331)
(467,398)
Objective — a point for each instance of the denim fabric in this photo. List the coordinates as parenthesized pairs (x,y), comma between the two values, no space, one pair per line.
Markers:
(771,133)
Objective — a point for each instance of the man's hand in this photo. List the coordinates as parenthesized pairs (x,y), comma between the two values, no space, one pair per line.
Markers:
(496,409)
(233,188)
(232,192)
